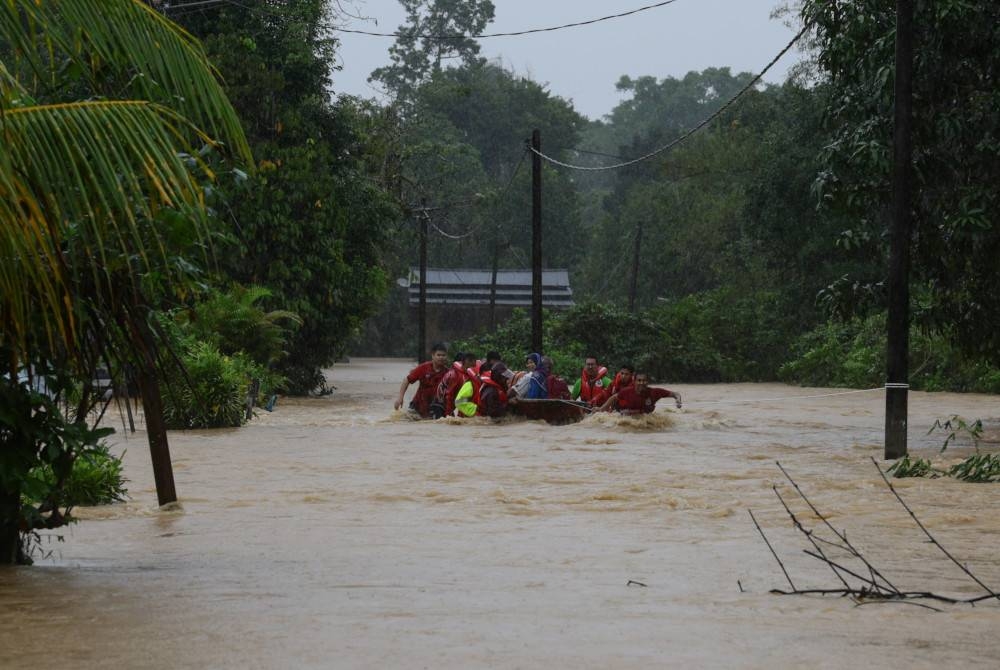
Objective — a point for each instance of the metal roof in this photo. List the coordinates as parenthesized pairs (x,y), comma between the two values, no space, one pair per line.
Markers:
(472,287)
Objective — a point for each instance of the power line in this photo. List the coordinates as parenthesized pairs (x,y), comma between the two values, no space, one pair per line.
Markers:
(718,112)
(436,36)
(475,229)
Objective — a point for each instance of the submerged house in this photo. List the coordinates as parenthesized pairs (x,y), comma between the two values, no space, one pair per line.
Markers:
(461,303)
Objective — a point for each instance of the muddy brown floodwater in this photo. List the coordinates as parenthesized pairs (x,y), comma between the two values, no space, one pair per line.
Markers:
(334,533)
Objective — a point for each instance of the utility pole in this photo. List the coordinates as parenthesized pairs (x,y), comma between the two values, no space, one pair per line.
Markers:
(536,241)
(897,350)
(634,283)
(493,281)
(422,305)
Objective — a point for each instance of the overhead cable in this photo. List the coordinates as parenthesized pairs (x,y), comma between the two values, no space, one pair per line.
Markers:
(477,228)
(657,152)
(437,36)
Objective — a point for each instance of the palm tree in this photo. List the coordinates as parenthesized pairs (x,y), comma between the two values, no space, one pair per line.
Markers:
(107,111)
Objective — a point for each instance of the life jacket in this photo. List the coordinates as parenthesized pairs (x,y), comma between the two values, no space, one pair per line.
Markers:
(488,381)
(586,391)
(616,385)
(467,398)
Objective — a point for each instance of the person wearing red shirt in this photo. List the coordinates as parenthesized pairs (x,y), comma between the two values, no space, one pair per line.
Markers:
(639,398)
(624,378)
(429,375)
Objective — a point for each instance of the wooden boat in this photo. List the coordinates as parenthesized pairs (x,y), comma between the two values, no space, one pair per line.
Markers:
(554,411)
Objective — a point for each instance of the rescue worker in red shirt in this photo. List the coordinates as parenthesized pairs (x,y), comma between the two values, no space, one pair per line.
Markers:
(593,385)
(639,398)
(462,370)
(492,400)
(625,377)
(429,375)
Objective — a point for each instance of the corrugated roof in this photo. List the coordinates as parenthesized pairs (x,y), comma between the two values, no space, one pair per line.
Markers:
(473,286)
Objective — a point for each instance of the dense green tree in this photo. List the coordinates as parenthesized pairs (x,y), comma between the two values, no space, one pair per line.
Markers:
(956,159)
(429,40)
(105,109)
(311,225)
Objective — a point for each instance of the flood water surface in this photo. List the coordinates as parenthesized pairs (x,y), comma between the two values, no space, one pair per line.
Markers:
(334,532)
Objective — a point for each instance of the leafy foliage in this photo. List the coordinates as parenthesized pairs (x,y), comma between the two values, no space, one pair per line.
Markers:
(911,467)
(415,58)
(110,113)
(233,322)
(956,150)
(977,468)
(211,391)
(311,224)
(95,479)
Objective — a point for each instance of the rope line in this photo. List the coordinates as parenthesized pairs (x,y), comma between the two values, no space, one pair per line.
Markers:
(793,397)
(437,36)
(685,136)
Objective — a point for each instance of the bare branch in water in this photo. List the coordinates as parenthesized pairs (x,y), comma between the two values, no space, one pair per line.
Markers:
(773,552)
(842,536)
(931,537)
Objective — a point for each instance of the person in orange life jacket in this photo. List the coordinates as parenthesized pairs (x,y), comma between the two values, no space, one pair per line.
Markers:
(625,377)
(557,386)
(490,364)
(492,399)
(593,385)
(461,371)
(429,375)
(639,398)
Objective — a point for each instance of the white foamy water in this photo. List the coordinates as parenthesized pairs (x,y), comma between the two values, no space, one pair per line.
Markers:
(336,533)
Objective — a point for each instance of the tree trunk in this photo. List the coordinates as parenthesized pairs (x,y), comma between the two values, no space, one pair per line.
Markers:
(10,536)
(156,433)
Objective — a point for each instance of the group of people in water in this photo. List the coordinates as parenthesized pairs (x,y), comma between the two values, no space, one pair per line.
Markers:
(469,386)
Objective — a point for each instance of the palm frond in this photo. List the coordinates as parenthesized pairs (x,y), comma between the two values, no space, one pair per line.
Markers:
(93,170)
(161,61)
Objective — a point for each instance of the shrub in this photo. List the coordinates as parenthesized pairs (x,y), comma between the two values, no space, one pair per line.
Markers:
(211,390)
(95,479)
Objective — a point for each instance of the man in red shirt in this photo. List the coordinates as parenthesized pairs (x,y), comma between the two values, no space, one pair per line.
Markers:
(639,398)
(624,378)
(429,375)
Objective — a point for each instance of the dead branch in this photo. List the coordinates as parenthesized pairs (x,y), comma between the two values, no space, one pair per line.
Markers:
(773,552)
(850,548)
(928,534)
(808,534)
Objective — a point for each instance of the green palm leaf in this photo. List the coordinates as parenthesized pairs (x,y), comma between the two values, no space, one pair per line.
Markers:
(96,170)
(122,40)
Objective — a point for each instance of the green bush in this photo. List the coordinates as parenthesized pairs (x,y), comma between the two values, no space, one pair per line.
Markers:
(95,479)
(211,390)
(852,354)
(233,322)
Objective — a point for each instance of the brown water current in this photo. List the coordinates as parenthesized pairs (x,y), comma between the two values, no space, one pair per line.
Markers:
(336,533)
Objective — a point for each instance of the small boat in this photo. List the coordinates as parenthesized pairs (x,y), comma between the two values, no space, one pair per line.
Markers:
(553,410)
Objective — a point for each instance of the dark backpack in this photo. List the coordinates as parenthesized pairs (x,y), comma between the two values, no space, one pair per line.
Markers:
(558,388)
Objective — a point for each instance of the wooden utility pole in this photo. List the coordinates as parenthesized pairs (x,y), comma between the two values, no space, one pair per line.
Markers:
(536,242)
(897,350)
(422,304)
(493,282)
(634,283)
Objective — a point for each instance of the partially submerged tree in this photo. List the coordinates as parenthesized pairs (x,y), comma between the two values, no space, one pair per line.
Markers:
(106,109)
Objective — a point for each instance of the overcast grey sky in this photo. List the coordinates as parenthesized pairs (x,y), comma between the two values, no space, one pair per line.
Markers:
(582,64)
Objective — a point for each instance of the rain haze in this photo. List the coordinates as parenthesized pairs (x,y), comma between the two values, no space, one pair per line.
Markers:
(583,63)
